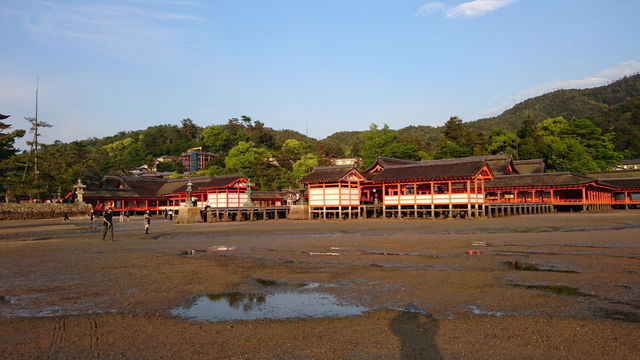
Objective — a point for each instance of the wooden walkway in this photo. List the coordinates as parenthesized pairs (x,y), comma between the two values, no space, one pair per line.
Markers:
(247,213)
(430,212)
(377,211)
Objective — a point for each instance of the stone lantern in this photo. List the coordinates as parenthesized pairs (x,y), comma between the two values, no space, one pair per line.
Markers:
(249,202)
(189,214)
(189,203)
(79,189)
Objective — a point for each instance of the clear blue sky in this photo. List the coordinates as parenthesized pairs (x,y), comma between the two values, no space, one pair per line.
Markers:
(313,66)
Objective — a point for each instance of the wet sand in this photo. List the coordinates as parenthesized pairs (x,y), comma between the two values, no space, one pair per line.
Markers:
(431,293)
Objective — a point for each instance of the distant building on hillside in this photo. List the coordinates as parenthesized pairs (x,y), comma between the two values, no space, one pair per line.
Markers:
(346,161)
(633,164)
(164,159)
(195,160)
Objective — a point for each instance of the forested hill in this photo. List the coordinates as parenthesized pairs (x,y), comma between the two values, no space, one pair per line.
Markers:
(566,103)
(609,101)
(572,130)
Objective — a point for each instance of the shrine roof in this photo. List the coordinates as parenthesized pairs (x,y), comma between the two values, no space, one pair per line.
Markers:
(387,161)
(536,180)
(109,193)
(205,182)
(624,183)
(267,195)
(146,187)
(499,164)
(531,166)
(615,174)
(329,173)
(432,170)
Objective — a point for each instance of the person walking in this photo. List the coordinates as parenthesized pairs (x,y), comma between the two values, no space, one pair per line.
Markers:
(92,218)
(147,221)
(170,215)
(107,222)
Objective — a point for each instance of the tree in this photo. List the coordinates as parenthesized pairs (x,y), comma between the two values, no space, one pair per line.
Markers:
(135,154)
(7,139)
(35,127)
(454,129)
(258,133)
(220,139)
(599,146)
(304,166)
(273,177)
(460,141)
(246,158)
(412,139)
(401,151)
(189,128)
(451,149)
(501,142)
(291,151)
(529,145)
(170,166)
(576,146)
(10,169)
(374,142)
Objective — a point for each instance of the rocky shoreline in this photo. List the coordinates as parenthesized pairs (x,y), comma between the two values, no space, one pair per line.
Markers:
(30,211)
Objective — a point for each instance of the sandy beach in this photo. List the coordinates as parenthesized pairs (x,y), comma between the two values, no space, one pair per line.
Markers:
(553,286)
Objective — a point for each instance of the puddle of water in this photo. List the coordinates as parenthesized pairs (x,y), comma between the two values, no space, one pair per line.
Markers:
(285,305)
(556,289)
(476,310)
(620,315)
(520,266)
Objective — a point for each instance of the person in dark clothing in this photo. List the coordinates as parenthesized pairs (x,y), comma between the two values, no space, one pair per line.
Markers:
(147,221)
(66,216)
(107,222)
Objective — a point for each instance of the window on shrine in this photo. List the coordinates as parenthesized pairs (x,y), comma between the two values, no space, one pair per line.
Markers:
(409,190)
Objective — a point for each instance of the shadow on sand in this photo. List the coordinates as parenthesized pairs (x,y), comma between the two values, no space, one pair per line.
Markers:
(417,333)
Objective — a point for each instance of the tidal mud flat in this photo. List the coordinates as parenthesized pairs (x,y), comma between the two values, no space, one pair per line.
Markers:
(561,285)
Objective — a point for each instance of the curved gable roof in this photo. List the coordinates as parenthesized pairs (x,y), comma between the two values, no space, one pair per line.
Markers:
(531,166)
(332,173)
(384,162)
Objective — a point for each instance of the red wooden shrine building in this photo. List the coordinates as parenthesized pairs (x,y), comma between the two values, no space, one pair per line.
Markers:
(394,185)
(468,184)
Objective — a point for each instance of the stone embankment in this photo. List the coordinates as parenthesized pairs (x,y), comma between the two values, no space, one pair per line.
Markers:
(30,211)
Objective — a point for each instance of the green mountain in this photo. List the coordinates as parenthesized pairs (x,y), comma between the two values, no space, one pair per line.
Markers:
(569,104)
(623,120)
(614,108)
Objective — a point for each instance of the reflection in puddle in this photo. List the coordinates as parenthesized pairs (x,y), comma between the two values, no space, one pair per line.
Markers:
(286,305)
(476,310)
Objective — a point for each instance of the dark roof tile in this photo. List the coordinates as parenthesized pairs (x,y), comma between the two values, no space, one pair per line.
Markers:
(533,180)
(431,170)
(624,183)
(615,174)
(328,173)
(531,166)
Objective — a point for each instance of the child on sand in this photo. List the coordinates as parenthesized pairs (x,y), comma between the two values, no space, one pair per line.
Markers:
(147,221)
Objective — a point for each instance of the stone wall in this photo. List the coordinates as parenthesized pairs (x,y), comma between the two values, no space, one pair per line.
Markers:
(30,211)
